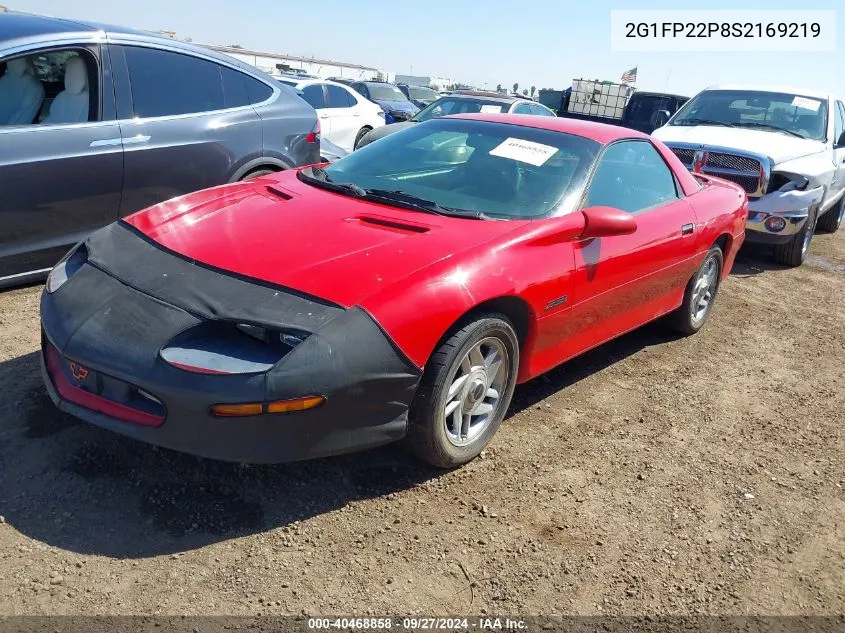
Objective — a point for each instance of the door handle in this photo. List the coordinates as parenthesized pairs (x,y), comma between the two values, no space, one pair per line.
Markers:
(324,116)
(106,142)
(136,140)
(687,229)
(359,114)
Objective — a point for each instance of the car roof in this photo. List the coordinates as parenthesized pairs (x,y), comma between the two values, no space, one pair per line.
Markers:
(804,92)
(487,96)
(487,93)
(26,25)
(25,29)
(313,80)
(599,132)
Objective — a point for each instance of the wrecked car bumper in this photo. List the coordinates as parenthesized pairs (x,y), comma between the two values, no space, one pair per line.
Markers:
(777,217)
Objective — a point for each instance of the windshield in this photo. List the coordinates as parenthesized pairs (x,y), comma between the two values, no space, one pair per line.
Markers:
(459,105)
(500,170)
(794,114)
(385,92)
(422,94)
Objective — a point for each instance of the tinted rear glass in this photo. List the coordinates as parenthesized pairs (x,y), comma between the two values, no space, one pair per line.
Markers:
(167,84)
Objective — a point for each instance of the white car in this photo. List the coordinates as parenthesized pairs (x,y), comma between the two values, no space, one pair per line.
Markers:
(345,116)
(784,146)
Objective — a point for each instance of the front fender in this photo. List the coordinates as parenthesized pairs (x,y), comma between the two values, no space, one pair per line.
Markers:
(420,310)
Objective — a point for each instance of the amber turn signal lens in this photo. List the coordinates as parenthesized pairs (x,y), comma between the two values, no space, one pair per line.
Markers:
(237,410)
(298,404)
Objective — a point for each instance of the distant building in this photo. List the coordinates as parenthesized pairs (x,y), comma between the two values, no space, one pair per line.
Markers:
(438,83)
(3,8)
(276,63)
(168,34)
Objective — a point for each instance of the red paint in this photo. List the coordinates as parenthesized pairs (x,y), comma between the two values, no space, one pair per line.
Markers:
(71,393)
(606,222)
(419,274)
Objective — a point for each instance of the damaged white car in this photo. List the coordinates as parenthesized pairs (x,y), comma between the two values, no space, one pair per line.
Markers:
(785,147)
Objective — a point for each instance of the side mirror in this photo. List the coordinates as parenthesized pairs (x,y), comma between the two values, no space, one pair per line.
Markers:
(582,225)
(606,221)
(659,118)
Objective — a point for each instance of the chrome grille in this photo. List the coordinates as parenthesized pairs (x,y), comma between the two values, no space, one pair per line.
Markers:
(746,171)
(731,161)
(684,155)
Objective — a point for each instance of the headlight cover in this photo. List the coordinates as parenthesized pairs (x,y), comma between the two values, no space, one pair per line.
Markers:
(221,347)
(66,268)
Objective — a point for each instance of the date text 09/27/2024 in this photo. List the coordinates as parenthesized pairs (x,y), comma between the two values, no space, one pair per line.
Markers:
(418,624)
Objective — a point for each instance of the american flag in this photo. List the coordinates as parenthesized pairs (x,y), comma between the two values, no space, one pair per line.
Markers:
(630,76)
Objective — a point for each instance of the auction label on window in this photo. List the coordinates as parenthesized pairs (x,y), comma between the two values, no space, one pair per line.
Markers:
(491,109)
(723,31)
(524,151)
(807,104)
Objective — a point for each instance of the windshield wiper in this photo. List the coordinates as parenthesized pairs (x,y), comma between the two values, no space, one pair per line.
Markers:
(320,178)
(769,126)
(704,122)
(415,202)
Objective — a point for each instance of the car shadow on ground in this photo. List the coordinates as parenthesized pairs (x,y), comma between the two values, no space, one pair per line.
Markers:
(74,486)
(755,259)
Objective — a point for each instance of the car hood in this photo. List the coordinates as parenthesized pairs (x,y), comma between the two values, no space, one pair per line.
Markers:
(776,145)
(285,232)
(386,130)
(401,106)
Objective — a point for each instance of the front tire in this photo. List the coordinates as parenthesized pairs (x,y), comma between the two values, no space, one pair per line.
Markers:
(700,294)
(794,252)
(832,220)
(465,392)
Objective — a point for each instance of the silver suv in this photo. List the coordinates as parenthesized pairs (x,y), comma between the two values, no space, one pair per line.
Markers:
(97,122)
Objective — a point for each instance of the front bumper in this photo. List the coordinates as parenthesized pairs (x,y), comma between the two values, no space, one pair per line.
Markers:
(116,328)
(792,206)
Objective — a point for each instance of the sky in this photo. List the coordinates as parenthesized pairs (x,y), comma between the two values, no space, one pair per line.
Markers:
(544,43)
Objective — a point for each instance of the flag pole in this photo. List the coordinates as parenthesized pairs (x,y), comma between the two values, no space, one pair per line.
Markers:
(666,87)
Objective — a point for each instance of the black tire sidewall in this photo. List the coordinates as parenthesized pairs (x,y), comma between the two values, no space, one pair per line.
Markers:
(427,419)
(686,322)
(361,134)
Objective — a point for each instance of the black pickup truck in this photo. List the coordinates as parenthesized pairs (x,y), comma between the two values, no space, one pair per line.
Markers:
(645,111)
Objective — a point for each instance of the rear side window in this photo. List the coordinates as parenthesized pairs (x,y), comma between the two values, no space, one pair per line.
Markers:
(239,89)
(167,84)
(338,97)
(313,94)
(540,110)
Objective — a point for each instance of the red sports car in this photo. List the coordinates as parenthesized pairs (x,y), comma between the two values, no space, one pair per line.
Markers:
(401,292)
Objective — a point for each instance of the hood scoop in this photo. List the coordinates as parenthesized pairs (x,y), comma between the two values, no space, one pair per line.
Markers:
(279,193)
(390,224)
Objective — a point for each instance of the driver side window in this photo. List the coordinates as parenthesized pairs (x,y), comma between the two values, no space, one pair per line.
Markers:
(52,87)
(633,177)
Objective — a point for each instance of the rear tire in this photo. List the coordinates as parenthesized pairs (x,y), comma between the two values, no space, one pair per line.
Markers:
(700,294)
(832,220)
(794,252)
(257,173)
(465,392)
(361,134)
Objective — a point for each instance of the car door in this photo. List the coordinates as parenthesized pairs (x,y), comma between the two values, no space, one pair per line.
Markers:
(624,281)
(60,174)
(182,129)
(345,116)
(315,95)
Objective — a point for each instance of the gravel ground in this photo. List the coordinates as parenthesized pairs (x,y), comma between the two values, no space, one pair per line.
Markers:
(655,475)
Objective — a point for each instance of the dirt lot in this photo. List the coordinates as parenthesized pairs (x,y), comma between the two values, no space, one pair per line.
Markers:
(654,475)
